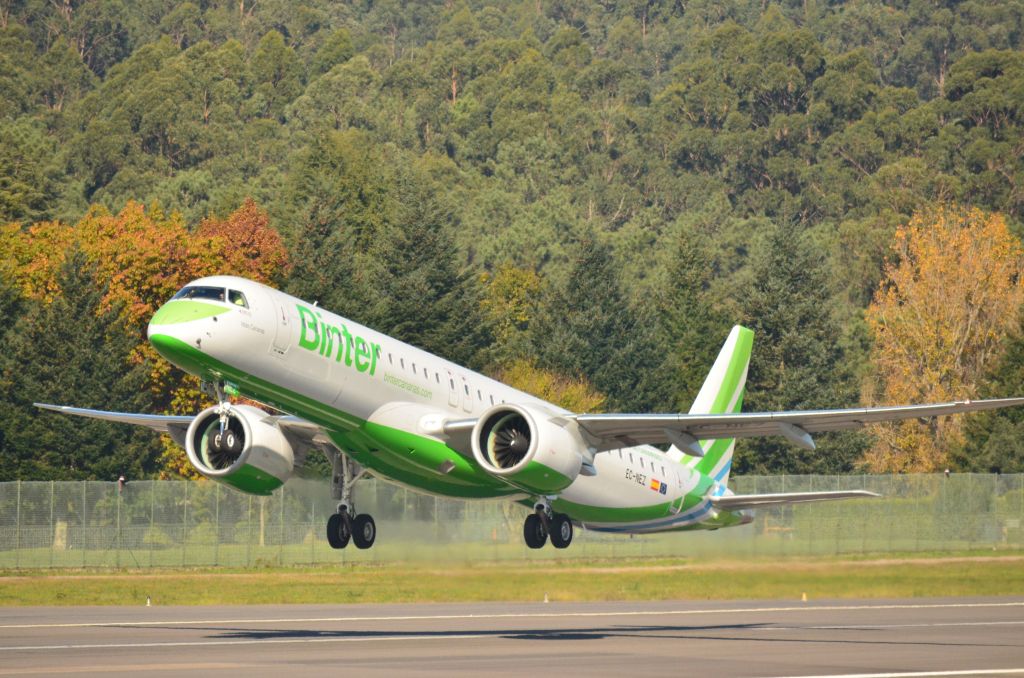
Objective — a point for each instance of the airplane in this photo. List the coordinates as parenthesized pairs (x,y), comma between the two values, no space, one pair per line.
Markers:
(374,405)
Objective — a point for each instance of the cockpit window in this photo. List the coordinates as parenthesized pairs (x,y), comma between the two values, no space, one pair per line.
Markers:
(211,293)
(237,298)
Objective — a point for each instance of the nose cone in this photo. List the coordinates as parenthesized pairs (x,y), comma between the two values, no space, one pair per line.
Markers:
(175,332)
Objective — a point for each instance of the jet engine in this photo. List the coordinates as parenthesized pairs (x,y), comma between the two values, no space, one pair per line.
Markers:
(244,452)
(534,450)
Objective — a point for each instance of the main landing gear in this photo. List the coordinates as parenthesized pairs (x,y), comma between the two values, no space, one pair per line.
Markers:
(346,524)
(544,523)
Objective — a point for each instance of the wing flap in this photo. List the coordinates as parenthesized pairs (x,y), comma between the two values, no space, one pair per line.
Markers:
(743,501)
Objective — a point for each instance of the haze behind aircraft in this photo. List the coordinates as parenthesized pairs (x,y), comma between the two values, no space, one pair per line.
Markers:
(373,404)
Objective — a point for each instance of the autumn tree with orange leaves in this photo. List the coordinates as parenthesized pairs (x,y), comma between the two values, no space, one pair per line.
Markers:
(142,257)
(948,297)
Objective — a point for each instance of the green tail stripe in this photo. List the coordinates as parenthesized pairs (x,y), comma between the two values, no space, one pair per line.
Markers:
(734,374)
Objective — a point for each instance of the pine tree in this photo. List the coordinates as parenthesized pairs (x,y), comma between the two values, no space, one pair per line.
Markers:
(689,321)
(422,293)
(993,440)
(71,350)
(586,327)
(798,361)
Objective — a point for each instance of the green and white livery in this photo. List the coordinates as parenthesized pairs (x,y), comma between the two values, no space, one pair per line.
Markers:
(374,405)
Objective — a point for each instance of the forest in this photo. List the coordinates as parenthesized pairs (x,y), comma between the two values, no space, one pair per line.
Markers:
(579,197)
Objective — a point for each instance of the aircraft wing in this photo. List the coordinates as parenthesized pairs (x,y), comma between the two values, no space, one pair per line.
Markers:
(745,501)
(164,423)
(302,434)
(611,431)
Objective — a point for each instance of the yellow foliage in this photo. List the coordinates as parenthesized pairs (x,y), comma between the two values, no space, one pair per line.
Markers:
(509,300)
(575,395)
(938,318)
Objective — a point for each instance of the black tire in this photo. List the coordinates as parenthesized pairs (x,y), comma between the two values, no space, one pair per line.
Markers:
(337,532)
(561,531)
(364,531)
(533,532)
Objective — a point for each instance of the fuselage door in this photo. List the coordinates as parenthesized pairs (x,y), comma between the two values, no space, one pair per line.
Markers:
(467,400)
(453,390)
(283,330)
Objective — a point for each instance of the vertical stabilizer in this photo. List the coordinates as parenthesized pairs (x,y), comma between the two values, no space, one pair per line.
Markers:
(721,393)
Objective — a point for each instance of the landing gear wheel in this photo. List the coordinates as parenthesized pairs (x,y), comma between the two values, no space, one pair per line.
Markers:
(561,531)
(364,531)
(337,531)
(534,532)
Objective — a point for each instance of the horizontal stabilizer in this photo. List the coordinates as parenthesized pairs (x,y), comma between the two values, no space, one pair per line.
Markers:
(744,501)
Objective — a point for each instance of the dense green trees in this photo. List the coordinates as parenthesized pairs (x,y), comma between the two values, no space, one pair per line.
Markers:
(648,171)
(72,350)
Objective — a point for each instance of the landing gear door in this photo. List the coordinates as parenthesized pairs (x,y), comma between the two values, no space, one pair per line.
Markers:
(283,330)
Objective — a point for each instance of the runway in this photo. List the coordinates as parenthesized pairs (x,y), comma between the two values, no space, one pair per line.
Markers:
(916,637)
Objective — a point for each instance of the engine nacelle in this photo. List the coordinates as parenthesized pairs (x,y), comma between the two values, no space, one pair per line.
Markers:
(528,447)
(249,455)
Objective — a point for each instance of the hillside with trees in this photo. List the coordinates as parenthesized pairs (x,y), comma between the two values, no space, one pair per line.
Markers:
(579,196)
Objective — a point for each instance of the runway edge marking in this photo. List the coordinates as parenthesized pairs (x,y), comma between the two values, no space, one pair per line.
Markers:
(521,615)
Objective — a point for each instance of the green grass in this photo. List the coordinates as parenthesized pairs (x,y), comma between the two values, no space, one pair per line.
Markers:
(589,580)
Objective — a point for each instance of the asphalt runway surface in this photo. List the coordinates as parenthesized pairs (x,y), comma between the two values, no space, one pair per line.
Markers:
(916,637)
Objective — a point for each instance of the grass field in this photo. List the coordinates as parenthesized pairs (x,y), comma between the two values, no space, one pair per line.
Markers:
(630,579)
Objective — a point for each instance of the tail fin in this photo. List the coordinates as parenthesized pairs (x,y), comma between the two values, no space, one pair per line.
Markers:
(721,393)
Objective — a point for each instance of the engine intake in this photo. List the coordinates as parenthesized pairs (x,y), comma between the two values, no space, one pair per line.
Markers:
(246,453)
(528,447)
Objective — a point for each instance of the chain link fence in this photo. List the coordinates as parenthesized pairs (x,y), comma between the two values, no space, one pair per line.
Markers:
(186,524)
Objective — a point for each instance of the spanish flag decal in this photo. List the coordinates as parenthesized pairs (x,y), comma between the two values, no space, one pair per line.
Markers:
(659,486)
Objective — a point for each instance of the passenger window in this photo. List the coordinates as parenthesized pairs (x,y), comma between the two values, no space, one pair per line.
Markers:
(492,399)
(437,377)
(402,360)
(452,382)
(479,396)
(414,368)
(630,457)
(237,298)
(466,386)
(642,463)
(390,359)
(425,375)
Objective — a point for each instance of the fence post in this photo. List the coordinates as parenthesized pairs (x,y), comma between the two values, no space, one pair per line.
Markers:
(184,525)
(280,532)
(216,521)
(52,533)
(312,530)
(117,556)
(152,519)
(248,534)
(84,484)
(17,527)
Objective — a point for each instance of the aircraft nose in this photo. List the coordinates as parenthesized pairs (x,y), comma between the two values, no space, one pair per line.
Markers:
(175,334)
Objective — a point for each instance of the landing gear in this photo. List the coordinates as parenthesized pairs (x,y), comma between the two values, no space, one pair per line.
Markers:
(364,531)
(533,532)
(338,531)
(544,523)
(561,531)
(346,524)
